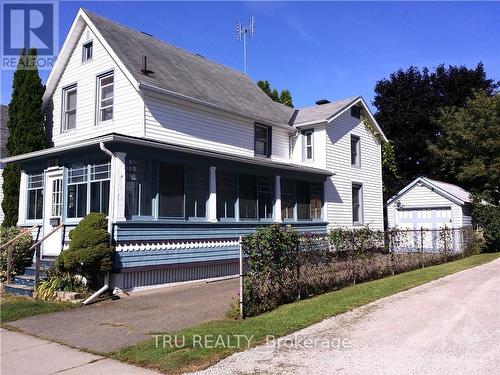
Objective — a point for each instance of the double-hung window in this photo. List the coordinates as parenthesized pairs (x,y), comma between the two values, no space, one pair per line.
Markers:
(226,195)
(100,176)
(69,108)
(35,196)
(139,188)
(357,204)
(87,50)
(308,145)
(262,145)
(355,148)
(77,191)
(105,97)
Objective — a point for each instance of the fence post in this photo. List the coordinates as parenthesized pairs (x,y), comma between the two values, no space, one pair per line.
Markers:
(240,242)
(9,264)
(37,266)
(422,247)
(353,260)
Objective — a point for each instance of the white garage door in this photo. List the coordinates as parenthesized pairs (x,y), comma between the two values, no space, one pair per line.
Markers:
(427,218)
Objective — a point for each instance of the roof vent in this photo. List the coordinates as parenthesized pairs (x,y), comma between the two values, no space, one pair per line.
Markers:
(322,101)
(144,69)
(148,34)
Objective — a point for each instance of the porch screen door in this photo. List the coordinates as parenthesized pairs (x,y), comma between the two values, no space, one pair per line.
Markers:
(52,210)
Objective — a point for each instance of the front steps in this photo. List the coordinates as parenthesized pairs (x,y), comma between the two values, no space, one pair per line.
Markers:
(24,284)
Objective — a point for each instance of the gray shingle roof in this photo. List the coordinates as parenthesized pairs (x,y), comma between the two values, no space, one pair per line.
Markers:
(452,189)
(4,131)
(188,74)
(322,112)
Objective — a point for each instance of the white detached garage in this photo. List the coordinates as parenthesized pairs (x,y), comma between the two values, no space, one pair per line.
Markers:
(429,204)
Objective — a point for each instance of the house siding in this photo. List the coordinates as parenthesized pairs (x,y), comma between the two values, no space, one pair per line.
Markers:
(338,189)
(319,148)
(423,197)
(170,122)
(127,109)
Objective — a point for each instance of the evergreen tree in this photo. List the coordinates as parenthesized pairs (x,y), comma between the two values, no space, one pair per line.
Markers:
(285,97)
(26,130)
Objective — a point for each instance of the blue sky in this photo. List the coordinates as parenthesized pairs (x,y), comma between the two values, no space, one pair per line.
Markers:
(316,49)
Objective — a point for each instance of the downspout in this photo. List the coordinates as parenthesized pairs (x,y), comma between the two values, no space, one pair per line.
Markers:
(111,215)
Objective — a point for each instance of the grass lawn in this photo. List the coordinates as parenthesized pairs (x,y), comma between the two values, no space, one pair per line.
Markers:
(282,321)
(14,308)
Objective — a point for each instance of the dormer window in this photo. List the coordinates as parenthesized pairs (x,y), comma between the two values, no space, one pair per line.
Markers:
(87,50)
(105,97)
(355,111)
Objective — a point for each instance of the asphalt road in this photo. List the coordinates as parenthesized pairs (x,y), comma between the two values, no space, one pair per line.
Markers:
(110,325)
(448,326)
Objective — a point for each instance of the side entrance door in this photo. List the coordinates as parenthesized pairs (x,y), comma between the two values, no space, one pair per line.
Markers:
(52,209)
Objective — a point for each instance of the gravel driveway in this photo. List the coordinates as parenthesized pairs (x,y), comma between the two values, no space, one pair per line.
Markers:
(448,326)
(109,325)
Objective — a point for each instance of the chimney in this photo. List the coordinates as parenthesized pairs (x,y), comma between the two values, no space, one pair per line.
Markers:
(144,69)
(322,101)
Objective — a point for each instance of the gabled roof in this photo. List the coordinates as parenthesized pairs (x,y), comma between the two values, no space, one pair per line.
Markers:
(187,74)
(325,113)
(449,191)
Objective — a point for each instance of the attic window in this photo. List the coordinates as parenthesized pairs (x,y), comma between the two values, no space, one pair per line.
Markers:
(87,51)
(355,111)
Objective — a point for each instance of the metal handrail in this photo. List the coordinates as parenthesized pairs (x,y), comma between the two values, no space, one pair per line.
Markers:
(47,236)
(19,235)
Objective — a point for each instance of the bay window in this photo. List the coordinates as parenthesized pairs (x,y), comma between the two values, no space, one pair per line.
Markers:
(77,191)
(35,196)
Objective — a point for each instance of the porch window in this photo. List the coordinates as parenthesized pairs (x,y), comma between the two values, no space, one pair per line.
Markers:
(196,192)
(288,199)
(77,191)
(248,196)
(316,200)
(69,106)
(226,195)
(357,204)
(171,191)
(35,196)
(265,197)
(105,97)
(100,176)
(303,200)
(139,188)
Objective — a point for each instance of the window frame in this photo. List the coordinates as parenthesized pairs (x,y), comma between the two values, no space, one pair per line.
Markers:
(359,187)
(268,144)
(38,189)
(305,146)
(99,99)
(85,182)
(357,139)
(64,120)
(85,57)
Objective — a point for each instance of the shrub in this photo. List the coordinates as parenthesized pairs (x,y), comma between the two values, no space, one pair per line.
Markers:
(233,312)
(21,255)
(57,281)
(487,217)
(89,253)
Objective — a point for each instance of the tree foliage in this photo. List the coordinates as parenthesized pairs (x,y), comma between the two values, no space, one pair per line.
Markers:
(468,149)
(285,97)
(408,103)
(26,129)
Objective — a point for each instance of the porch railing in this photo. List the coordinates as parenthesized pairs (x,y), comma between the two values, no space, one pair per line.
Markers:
(36,246)
(10,249)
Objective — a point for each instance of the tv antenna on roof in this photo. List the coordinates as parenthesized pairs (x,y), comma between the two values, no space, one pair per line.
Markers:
(241,34)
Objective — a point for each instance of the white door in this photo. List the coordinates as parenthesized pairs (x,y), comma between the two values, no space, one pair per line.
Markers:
(52,209)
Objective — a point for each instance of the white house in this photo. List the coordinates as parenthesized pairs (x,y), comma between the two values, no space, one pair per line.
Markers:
(429,204)
(184,155)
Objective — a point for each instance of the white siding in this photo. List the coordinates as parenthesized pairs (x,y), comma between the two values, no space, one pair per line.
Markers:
(319,148)
(188,126)
(423,197)
(127,116)
(338,189)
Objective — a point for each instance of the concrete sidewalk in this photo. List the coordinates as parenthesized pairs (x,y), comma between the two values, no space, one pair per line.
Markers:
(26,355)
